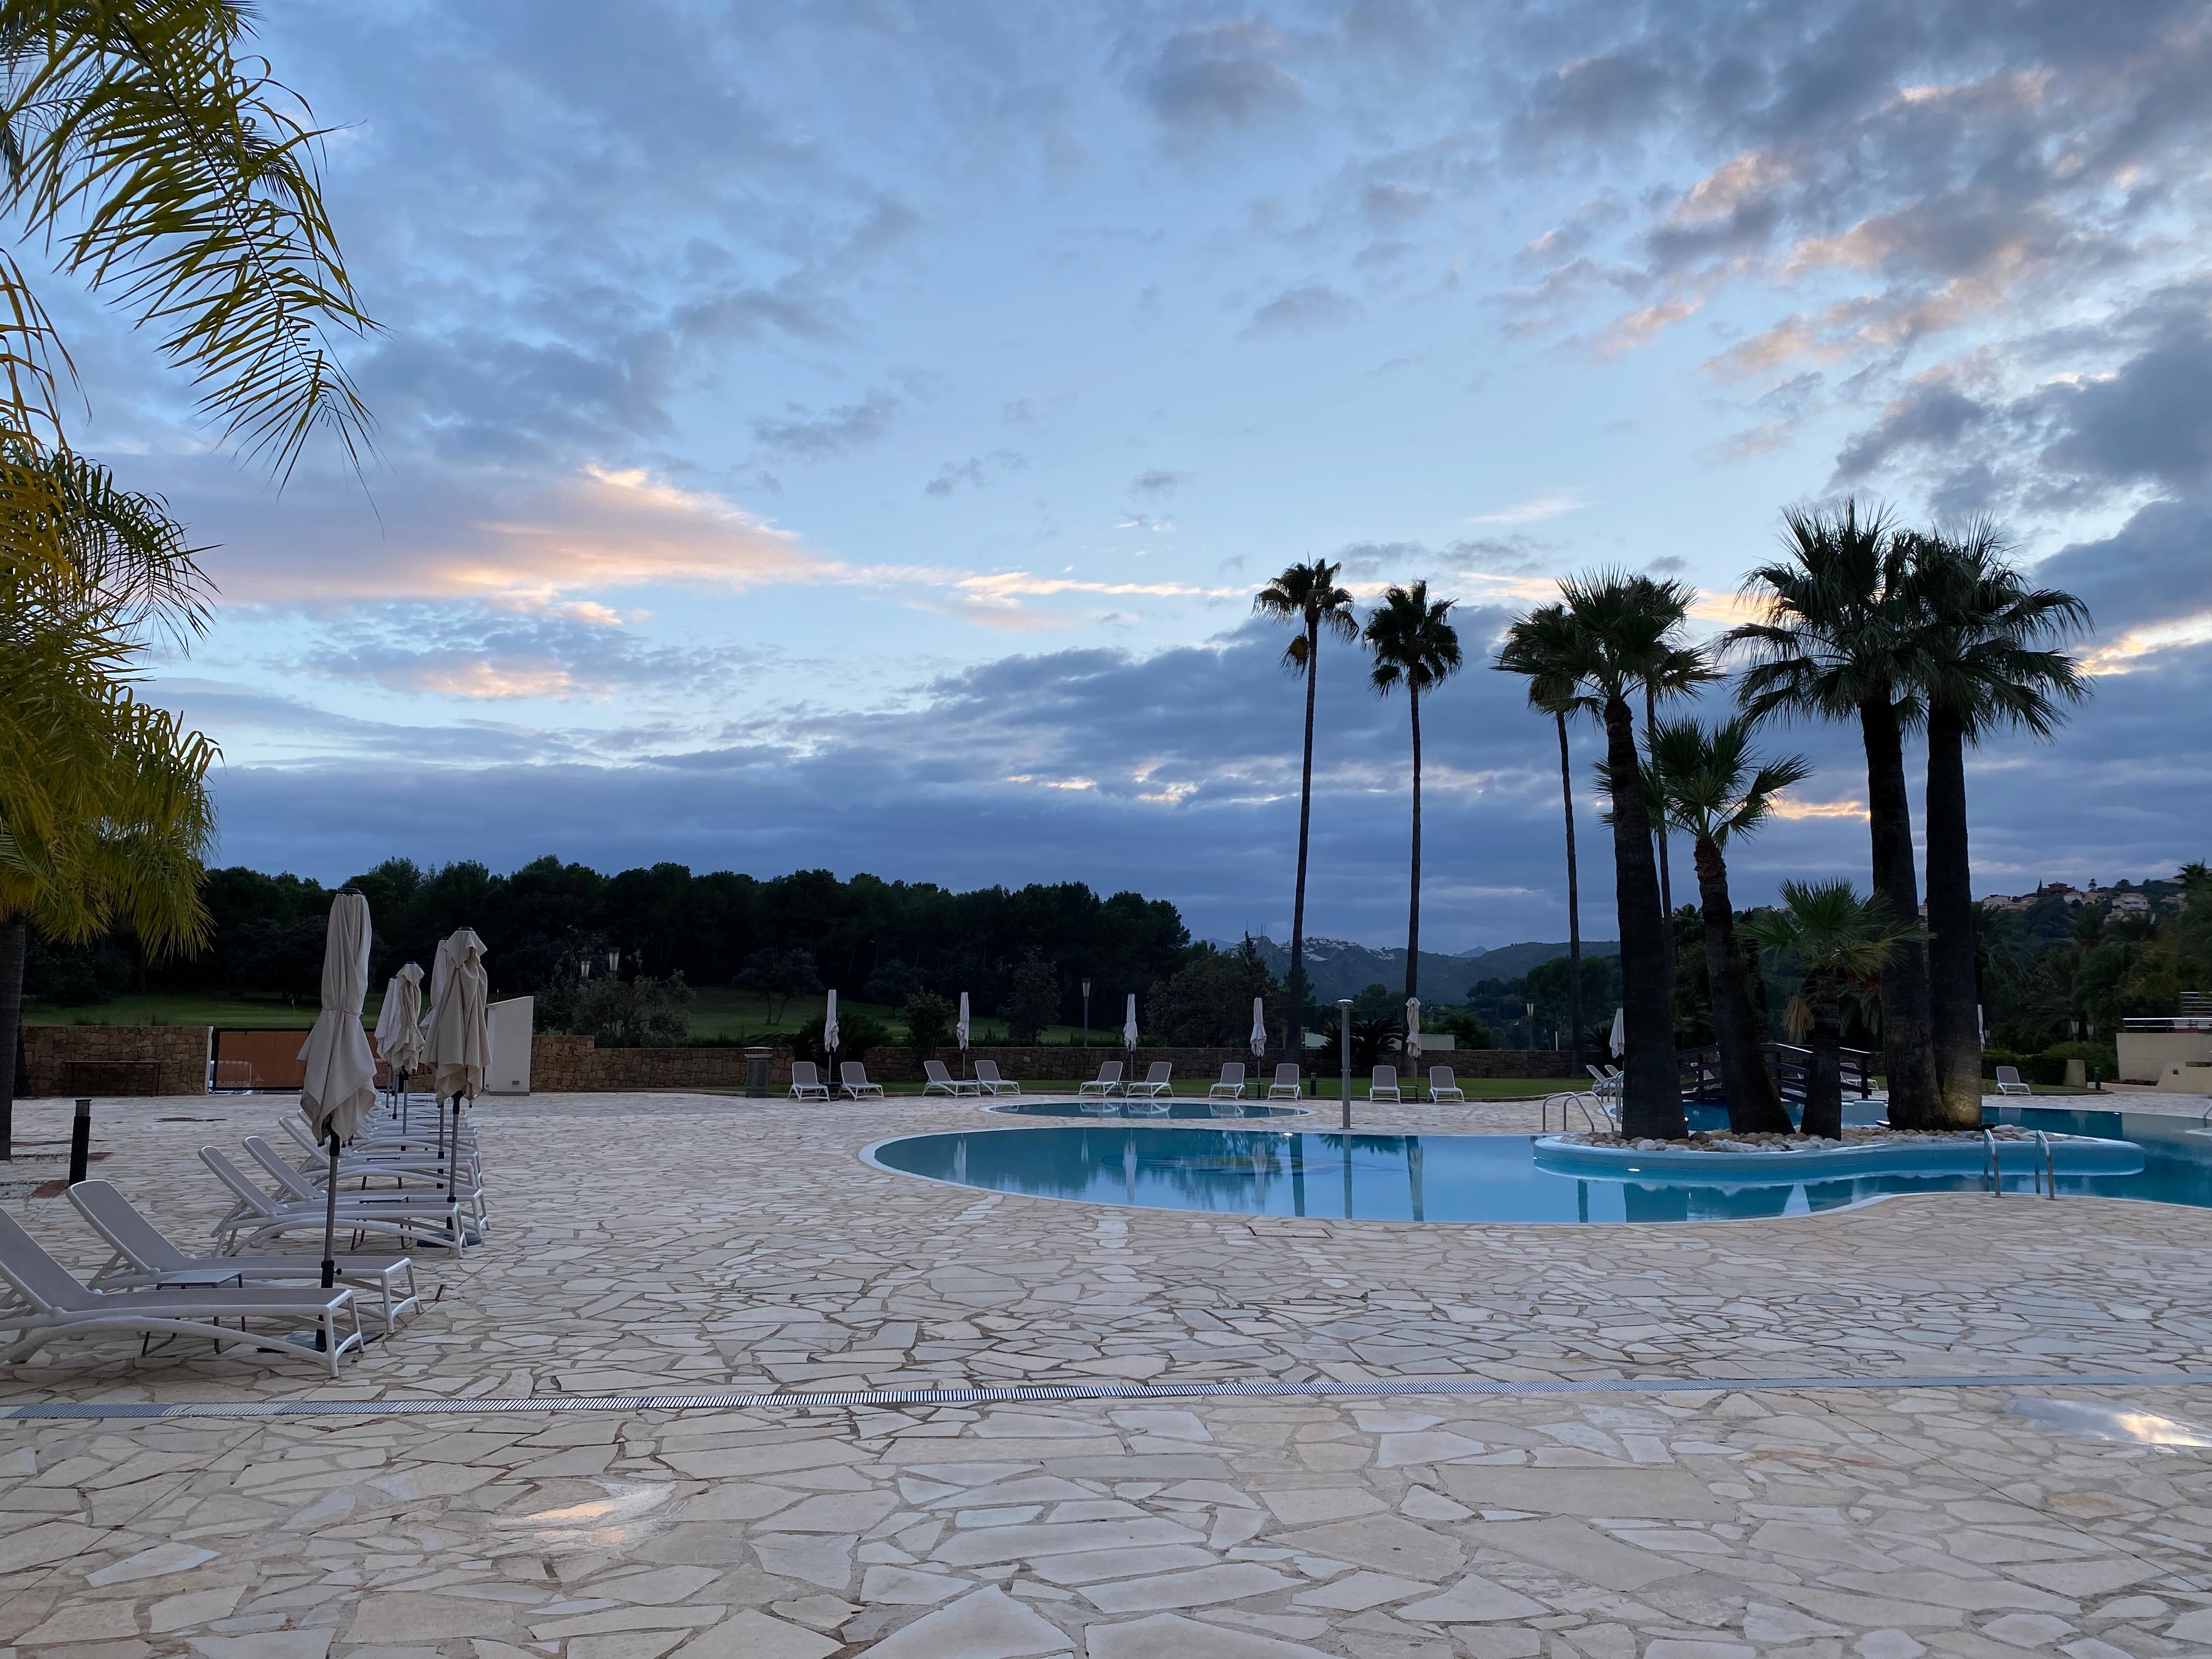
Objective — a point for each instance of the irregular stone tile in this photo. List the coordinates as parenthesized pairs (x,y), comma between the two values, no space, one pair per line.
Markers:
(1474,1600)
(903,1586)
(1089,1566)
(1302,1505)
(1357,1592)
(1170,1636)
(988,1624)
(1230,1582)
(819,1560)
(156,1563)
(264,1644)
(747,1634)
(176,1613)
(1389,1543)
(975,1549)
(854,1512)
(1577,1551)
(47,1542)
(1649,1494)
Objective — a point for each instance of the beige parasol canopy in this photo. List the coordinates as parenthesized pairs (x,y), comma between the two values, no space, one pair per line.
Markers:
(399,1040)
(460,1041)
(340,1083)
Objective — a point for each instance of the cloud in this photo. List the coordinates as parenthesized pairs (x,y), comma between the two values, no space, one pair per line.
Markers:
(1157,483)
(1220,75)
(1535,510)
(1299,310)
(975,471)
(834,432)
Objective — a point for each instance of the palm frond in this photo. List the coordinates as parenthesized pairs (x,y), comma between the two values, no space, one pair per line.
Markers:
(180,177)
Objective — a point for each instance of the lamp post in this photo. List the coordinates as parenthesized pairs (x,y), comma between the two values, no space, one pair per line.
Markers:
(1344,1045)
(1531,1008)
(1086,1016)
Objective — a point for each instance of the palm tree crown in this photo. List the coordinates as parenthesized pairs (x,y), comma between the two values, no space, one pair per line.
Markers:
(1834,933)
(1414,643)
(1712,784)
(1979,657)
(1543,646)
(1837,627)
(1308,595)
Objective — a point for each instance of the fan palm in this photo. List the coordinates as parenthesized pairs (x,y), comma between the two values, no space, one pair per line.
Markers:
(1718,790)
(1837,639)
(1986,662)
(1840,941)
(1677,674)
(1308,595)
(1541,647)
(1414,645)
(1623,630)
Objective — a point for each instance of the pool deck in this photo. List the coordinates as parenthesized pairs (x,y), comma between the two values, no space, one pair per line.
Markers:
(685,1244)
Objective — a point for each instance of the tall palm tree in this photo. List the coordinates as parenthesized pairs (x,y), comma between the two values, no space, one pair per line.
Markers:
(1541,648)
(1677,674)
(1624,629)
(1308,595)
(1837,639)
(1414,645)
(1987,662)
(1718,790)
(1840,940)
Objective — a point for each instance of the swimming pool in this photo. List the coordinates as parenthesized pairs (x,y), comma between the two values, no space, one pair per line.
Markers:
(1116,1111)
(1294,1172)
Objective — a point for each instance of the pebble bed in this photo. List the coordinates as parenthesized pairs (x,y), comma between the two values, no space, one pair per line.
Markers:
(1704,1140)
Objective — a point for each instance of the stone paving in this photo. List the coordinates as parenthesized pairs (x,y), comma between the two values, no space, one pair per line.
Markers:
(683,1244)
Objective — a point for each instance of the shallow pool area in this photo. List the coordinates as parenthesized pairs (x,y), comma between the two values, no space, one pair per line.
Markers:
(1490,1178)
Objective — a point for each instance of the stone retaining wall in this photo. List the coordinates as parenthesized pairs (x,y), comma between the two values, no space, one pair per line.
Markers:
(110,1061)
(575,1065)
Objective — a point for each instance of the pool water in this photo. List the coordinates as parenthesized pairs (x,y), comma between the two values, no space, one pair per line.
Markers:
(1431,1178)
(1119,1111)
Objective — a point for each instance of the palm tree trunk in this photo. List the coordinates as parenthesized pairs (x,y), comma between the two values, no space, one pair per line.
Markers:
(15,939)
(1824,1078)
(1907,1054)
(1414,909)
(1651,1095)
(1666,884)
(1954,1015)
(1296,1035)
(1753,1106)
(1574,906)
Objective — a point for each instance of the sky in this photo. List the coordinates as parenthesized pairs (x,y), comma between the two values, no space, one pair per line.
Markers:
(849,434)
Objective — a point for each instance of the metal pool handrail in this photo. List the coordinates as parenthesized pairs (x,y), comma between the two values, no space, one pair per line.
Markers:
(1991,1172)
(2050,1169)
(1565,1097)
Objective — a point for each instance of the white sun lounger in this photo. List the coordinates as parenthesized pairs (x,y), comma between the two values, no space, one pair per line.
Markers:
(258,1217)
(2008,1081)
(1108,1081)
(432,1197)
(987,1074)
(1156,1080)
(1605,1081)
(145,1257)
(853,1078)
(49,1304)
(1287,1085)
(1232,1086)
(942,1082)
(367,1155)
(1443,1083)
(1382,1083)
(806,1082)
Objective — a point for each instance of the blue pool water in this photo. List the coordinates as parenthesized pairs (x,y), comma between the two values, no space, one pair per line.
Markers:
(1135,1110)
(1275,1171)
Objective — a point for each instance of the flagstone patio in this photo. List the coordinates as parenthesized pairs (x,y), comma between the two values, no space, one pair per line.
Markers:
(685,1244)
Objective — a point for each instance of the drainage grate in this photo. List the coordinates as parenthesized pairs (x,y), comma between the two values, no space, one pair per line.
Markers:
(126,1411)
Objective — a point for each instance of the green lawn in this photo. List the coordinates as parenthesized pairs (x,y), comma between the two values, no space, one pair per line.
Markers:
(233,1012)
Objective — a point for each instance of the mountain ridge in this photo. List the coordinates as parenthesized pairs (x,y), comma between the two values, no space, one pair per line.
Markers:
(1339,967)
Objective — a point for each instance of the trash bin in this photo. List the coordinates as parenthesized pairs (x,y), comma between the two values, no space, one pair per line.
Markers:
(756,1061)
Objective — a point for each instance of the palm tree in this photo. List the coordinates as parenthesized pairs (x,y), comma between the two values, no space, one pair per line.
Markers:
(1623,629)
(1837,639)
(1541,645)
(1840,940)
(1414,645)
(1677,674)
(1713,785)
(110,826)
(1986,663)
(1308,595)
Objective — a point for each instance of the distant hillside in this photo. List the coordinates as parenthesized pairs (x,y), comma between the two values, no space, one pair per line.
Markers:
(1337,967)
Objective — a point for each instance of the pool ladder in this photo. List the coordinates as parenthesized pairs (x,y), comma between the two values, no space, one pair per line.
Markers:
(2046,1174)
(1580,1100)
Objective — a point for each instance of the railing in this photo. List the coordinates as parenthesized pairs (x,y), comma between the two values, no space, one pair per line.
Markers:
(2169,1023)
(1570,1098)
(1699,1071)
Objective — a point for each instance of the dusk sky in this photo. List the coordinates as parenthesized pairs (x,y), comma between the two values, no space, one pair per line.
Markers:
(849,434)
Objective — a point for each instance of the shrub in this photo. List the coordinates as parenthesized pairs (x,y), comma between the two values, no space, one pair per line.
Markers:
(1033,1003)
(856,1034)
(929,1021)
(2101,1058)
(639,1013)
